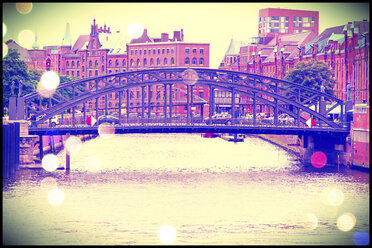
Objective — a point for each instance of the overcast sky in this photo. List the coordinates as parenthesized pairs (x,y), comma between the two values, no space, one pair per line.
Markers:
(214,23)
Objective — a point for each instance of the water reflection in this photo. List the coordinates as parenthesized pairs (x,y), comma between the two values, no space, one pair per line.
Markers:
(208,190)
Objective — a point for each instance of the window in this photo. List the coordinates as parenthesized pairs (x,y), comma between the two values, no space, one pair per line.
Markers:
(68,64)
(138,63)
(78,73)
(131,62)
(68,73)
(144,52)
(149,51)
(163,51)
(116,63)
(275,18)
(172,50)
(187,50)
(300,24)
(110,63)
(151,61)
(300,19)
(123,63)
(158,61)
(165,61)
(90,64)
(131,52)
(103,59)
(172,61)
(194,51)
(158,50)
(83,68)
(144,62)
(276,24)
(90,73)
(201,61)
(103,69)
(312,19)
(78,64)
(286,18)
(194,61)
(167,50)
(96,72)
(96,63)
(140,52)
(201,51)
(73,64)
(294,18)
(187,61)
(135,52)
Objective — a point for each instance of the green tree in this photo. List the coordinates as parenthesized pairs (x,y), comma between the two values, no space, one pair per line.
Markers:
(312,74)
(14,69)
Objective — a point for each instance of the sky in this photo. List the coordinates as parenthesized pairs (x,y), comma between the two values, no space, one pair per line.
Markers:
(213,23)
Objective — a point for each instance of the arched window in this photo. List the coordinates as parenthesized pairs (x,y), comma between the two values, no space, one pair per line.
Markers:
(103,69)
(117,63)
(201,61)
(194,61)
(138,63)
(165,61)
(48,64)
(110,63)
(68,64)
(172,61)
(144,62)
(131,62)
(78,63)
(96,64)
(90,63)
(123,62)
(103,59)
(158,60)
(151,61)
(73,64)
(187,61)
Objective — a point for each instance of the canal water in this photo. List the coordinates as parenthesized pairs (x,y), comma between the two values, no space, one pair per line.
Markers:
(182,189)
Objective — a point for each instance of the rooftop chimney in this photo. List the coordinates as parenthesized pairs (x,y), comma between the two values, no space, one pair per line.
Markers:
(164,37)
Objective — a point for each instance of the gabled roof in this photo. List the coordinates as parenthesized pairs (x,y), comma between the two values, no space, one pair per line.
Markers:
(143,39)
(81,43)
(234,47)
(115,42)
(23,52)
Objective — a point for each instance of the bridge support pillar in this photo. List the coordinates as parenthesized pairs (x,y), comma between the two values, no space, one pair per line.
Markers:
(323,150)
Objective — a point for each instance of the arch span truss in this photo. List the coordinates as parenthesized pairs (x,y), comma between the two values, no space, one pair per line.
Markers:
(205,91)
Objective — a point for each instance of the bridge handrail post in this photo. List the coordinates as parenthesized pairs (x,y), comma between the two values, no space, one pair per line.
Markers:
(67,154)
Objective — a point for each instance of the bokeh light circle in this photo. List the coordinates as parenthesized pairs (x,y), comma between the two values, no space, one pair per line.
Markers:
(135,30)
(4,29)
(335,197)
(50,80)
(346,222)
(50,162)
(93,164)
(73,144)
(5,50)
(318,159)
(311,221)
(361,238)
(24,8)
(56,197)
(190,76)
(26,38)
(167,234)
(106,130)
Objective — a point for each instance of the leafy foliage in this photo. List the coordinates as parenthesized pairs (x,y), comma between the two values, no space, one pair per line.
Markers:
(312,74)
(14,69)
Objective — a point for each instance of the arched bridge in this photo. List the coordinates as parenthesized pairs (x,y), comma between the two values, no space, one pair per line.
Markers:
(185,100)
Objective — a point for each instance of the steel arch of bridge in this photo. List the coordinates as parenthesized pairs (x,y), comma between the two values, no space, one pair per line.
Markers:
(282,96)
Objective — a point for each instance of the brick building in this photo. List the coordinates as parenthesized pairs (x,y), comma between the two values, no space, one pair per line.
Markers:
(104,52)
